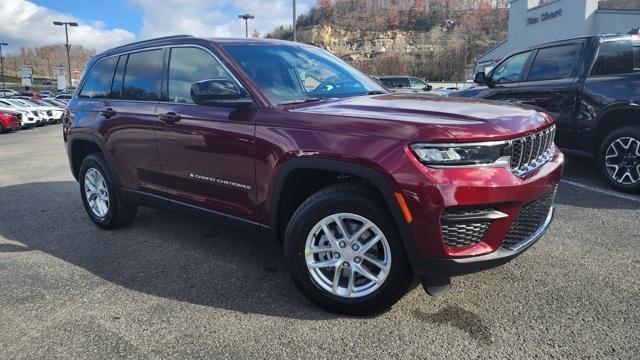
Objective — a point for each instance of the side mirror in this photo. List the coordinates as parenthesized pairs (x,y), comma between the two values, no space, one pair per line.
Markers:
(480,78)
(219,92)
(427,88)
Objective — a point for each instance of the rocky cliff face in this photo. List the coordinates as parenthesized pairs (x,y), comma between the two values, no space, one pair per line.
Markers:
(353,45)
(443,53)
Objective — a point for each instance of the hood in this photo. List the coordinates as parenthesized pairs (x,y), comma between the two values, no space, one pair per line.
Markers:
(464,119)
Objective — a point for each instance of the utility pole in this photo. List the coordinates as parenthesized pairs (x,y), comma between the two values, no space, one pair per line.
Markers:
(2,66)
(66,44)
(294,21)
(246,18)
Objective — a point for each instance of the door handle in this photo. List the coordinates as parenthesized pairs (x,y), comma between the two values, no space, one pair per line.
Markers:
(169,117)
(108,112)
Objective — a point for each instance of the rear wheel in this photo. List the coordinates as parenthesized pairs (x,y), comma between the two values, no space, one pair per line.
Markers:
(619,159)
(100,195)
(344,252)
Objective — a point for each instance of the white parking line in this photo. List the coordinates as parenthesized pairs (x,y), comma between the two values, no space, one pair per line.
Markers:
(602,191)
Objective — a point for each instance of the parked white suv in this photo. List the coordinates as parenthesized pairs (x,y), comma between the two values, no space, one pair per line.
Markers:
(30,116)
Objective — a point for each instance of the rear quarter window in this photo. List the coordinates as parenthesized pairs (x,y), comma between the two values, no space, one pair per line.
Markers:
(98,81)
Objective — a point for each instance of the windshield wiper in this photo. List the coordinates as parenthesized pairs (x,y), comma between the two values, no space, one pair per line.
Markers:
(299,101)
(375,92)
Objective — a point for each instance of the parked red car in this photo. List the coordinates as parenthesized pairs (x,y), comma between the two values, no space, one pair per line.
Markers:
(10,121)
(365,188)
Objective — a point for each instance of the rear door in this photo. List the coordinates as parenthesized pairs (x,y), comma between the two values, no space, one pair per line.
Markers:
(128,119)
(552,84)
(206,151)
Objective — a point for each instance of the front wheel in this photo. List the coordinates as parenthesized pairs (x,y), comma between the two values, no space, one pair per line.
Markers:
(619,159)
(344,252)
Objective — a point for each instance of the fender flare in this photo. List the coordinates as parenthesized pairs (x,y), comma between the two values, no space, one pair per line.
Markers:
(609,109)
(349,168)
(92,138)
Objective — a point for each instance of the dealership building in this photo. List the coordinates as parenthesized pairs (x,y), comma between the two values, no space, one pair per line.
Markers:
(531,23)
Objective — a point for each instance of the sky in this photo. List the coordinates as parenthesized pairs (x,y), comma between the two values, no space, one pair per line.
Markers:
(108,23)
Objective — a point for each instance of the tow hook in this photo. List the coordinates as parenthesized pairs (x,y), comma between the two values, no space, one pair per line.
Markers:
(435,285)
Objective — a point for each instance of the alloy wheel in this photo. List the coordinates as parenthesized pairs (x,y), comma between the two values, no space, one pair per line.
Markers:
(622,160)
(96,192)
(347,255)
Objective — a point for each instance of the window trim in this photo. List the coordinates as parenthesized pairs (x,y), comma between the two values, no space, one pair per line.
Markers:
(165,73)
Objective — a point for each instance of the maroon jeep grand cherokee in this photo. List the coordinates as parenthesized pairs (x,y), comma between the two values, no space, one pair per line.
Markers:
(364,187)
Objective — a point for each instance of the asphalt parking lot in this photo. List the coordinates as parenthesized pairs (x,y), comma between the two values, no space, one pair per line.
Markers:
(174,286)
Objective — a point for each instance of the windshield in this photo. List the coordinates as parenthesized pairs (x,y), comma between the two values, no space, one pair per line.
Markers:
(28,102)
(289,74)
(17,103)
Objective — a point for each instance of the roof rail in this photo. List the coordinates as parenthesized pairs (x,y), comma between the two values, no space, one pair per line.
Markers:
(149,40)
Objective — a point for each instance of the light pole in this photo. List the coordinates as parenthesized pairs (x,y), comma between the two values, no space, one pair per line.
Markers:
(66,44)
(2,66)
(294,21)
(49,68)
(246,18)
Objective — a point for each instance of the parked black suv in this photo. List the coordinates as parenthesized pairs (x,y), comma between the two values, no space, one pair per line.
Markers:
(591,85)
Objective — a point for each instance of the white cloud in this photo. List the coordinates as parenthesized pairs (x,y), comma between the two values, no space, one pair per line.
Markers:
(215,18)
(23,23)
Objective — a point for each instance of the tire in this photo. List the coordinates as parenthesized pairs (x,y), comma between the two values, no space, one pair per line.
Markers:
(355,205)
(619,159)
(116,212)
(2,129)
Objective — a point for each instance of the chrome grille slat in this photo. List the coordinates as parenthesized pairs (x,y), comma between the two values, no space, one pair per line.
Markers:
(532,151)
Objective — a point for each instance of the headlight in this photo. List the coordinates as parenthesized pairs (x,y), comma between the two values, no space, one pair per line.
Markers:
(486,153)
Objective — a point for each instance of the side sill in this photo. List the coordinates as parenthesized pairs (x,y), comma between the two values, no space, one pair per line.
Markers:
(145,199)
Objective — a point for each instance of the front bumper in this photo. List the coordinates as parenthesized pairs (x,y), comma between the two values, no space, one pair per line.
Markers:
(494,188)
(462,266)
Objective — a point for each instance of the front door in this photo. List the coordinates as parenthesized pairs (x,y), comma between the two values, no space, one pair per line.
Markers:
(505,78)
(206,152)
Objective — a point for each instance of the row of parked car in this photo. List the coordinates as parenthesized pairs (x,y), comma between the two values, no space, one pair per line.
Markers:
(25,112)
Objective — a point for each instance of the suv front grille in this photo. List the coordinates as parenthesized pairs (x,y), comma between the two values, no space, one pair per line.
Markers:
(531,217)
(531,152)
(459,234)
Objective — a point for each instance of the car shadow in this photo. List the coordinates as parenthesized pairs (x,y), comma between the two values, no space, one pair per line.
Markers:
(162,254)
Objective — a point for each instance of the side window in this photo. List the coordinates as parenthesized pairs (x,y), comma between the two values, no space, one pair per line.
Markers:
(417,83)
(118,78)
(554,63)
(143,76)
(387,82)
(188,65)
(99,79)
(509,70)
(615,57)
